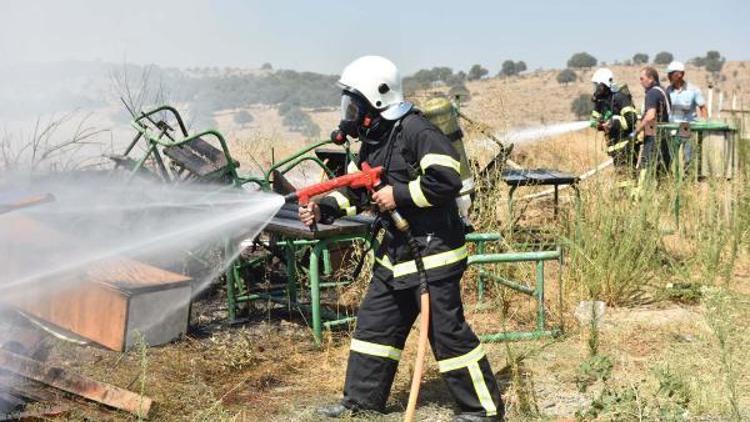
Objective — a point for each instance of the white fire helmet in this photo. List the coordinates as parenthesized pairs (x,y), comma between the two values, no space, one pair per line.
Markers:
(376,79)
(603,76)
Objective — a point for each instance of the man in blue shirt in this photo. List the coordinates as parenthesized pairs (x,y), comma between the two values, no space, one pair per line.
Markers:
(688,104)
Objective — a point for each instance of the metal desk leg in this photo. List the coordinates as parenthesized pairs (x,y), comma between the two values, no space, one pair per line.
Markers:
(539,293)
(510,207)
(480,279)
(315,291)
(231,295)
(230,276)
(291,272)
(557,200)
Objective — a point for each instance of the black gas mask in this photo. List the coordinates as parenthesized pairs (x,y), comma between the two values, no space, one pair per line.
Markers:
(600,92)
(358,120)
(354,114)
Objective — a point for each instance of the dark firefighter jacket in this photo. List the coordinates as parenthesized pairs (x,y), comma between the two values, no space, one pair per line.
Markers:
(424,171)
(618,109)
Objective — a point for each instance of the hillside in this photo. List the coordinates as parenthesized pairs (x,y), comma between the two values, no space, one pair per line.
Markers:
(527,100)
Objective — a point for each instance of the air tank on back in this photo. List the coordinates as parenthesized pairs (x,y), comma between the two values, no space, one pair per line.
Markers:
(443,114)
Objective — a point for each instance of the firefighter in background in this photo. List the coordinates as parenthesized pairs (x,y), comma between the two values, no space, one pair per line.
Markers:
(615,115)
(422,178)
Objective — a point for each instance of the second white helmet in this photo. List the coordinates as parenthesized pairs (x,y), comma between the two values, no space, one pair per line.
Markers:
(377,80)
(603,76)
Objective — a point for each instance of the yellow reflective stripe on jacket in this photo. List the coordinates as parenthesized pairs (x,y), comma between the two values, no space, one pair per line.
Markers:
(430,261)
(480,386)
(352,167)
(341,200)
(628,109)
(617,146)
(623,122)
(343,203)
(595,114)
(415,190)
(374,349)
(451,364)
(439,160)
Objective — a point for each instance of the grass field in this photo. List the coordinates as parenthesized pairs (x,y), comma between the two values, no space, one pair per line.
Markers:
(671,345)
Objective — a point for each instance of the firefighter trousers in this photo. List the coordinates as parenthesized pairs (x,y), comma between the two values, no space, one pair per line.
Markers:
(383,323)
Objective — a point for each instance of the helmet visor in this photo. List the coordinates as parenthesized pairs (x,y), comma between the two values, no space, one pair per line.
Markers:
(350,108)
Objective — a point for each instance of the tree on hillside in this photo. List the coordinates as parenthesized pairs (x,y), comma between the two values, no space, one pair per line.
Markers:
(581,60)
(511,68)
(663,58)
(582,106)
(640,58)
(477,72)
(714,61)
(508,68)
(266,66)
(242,117)
(566,76)
(461,92)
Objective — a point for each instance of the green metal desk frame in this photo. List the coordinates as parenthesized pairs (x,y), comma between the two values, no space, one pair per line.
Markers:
(483,259)
(322,319)
(675,132)
(319,254)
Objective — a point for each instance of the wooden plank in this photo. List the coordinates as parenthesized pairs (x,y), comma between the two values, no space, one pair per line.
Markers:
(82,386)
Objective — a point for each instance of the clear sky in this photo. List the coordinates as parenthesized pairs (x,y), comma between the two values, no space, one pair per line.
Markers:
(324,35)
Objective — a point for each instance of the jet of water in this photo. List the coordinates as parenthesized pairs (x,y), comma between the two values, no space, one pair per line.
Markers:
(96,223)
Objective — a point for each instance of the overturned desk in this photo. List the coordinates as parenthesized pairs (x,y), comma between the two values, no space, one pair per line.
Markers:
(538,177)
(295,241)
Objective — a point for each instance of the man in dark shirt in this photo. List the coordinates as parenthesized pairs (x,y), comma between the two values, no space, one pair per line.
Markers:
(656,109)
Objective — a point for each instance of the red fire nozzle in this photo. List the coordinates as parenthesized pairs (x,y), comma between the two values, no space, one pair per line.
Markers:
(367,178)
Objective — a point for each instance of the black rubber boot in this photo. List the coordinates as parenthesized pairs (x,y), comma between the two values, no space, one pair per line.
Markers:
(337,410)
(474,418)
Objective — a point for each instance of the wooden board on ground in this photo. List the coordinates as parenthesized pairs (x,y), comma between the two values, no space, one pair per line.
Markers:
(79,385)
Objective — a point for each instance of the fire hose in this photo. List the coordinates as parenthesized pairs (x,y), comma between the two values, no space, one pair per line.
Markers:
(369,178)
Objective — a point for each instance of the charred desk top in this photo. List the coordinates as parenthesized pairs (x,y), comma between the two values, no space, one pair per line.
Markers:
(286,223)
(527,177)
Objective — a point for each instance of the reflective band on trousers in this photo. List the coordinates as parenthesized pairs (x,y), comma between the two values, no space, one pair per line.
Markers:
(431,261)
(439,160)
(374,349)
(451,364)
(480,386)
(471,362)
(619,145)
(415,190)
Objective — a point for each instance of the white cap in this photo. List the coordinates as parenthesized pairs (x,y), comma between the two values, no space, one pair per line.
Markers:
(675,66)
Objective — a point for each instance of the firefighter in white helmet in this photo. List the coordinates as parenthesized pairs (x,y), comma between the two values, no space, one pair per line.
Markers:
(614,115)
(422,177)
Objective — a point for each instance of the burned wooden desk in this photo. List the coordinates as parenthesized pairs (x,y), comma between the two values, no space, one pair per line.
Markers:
(516,178)
(298,243)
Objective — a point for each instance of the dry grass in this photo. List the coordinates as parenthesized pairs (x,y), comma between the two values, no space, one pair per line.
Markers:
(269,369)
